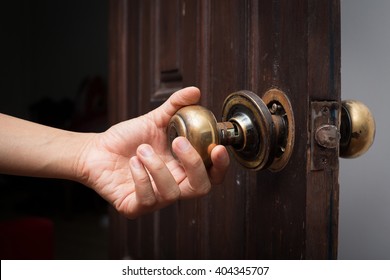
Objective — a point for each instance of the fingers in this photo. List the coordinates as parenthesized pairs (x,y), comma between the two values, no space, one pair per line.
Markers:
(144,192)
(148,168)
(221,161)
(168,190)
(197,182)
(145,167)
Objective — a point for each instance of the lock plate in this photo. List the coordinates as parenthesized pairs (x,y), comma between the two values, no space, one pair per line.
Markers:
(325,135)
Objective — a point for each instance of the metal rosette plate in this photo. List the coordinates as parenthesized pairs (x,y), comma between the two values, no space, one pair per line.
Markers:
(281,110)
(251,114)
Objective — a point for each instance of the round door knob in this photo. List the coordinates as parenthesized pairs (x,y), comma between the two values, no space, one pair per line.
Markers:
(357,129)
(258,132)
(199,126)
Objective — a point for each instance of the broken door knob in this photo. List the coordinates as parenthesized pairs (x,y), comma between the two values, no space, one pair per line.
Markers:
(357,129)
(258,131)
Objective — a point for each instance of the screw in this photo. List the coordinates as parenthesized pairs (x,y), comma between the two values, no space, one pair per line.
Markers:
(325,109)
(274,108)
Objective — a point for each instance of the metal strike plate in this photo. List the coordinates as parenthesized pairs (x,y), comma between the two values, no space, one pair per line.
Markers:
(325,135)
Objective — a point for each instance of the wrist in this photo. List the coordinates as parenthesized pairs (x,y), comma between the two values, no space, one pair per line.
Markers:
(75,153)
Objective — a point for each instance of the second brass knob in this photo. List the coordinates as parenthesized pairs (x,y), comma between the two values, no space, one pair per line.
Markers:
(357,129)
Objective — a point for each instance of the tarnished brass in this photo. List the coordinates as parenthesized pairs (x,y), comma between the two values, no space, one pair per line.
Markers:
(327,136)
(249,112)
(357,129)
(199,126)
(258,134)
(324,136)
(283,119)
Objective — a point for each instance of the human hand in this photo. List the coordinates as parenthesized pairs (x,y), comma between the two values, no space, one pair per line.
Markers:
(131,166)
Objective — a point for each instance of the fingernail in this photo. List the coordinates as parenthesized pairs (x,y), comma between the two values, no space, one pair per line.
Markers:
(135,163)
(145,150)
(183,144)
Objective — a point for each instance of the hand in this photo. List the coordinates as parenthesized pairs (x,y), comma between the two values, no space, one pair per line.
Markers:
(131,166)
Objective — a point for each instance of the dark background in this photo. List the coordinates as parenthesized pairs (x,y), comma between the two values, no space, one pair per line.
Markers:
(54,61)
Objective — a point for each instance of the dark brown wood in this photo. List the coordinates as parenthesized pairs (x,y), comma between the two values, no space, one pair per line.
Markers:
(324,82)
(223,46)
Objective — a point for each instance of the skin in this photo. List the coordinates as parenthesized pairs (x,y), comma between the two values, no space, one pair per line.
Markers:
(130,165)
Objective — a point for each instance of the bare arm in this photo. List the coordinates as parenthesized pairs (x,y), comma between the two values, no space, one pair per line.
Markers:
(130,164)
(31,149)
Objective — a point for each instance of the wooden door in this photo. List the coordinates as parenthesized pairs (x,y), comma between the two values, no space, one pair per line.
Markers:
(222,46)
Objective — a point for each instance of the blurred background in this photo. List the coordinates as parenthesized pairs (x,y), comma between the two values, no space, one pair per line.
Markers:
(54,69)
(364,224)
(54,60)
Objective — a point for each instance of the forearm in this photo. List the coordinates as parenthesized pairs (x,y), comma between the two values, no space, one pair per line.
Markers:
(30,149)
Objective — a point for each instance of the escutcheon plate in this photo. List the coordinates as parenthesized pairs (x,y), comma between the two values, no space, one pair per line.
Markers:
(256,153)
(285,142)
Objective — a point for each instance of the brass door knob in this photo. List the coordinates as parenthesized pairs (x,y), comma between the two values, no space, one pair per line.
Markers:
(357,129)
(258,131)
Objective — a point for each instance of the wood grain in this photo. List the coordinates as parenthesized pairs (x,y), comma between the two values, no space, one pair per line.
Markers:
(223,46)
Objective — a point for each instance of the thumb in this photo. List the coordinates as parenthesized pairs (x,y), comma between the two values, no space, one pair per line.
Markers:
(184,97)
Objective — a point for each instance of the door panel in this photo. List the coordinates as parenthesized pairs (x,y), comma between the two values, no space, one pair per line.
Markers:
(221,47)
